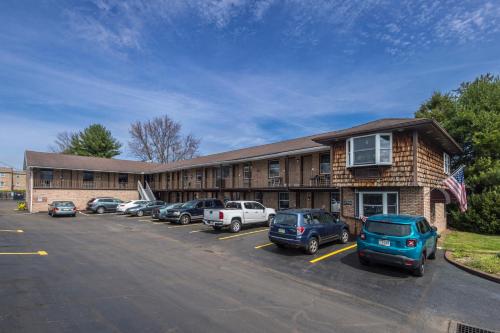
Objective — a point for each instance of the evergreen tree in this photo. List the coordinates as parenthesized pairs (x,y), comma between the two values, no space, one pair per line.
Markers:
(96,141)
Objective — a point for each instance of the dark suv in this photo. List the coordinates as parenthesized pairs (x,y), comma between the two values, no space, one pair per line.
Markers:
(191,210)
(307,229)
(102,205)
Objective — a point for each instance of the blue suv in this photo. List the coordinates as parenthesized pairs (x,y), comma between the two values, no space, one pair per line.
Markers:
(306,229)
(398,240)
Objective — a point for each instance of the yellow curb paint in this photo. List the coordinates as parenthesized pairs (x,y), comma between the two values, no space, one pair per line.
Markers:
(18,231)
(243,234)
(263,245)
(333,253)
(40,253)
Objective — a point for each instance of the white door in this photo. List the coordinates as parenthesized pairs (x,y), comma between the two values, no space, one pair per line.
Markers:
(260,212)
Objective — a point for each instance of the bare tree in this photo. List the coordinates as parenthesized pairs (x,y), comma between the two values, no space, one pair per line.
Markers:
(160,140)
(62,142)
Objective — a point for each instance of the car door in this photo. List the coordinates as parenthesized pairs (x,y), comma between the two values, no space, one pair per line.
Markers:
(425,236)
(334,225)
(431,238)
(249,213)
(260,212)
(106,203)
(198,210)
(330,227)
(319,225)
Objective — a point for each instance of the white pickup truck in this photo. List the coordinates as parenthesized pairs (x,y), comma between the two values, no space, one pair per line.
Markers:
(238,213)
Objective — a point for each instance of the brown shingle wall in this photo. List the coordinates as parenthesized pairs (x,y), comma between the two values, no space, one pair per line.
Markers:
(430,164)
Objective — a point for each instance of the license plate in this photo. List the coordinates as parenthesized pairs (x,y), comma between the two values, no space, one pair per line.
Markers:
(281,231)
(384,242)
(66,209)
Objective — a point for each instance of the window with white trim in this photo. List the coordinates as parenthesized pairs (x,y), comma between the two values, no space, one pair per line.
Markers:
(374,149)
(274,169)
(371,203)
(2,175)
(446,163)
(284,200)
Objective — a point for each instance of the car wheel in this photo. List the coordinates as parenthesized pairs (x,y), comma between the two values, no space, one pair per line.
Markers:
(74,215)
(312,245)
(100,210)
(420,270)
(235,226)
(140,213)
(216,227)
(270,220)
(185,219)
(281,246)
(364,262)
(432,256)
(344,236)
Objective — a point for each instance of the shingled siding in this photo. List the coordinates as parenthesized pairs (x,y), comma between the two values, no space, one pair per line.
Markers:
(400,173)
(430,165)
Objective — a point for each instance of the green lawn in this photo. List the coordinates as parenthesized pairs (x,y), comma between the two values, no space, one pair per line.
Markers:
(475,250)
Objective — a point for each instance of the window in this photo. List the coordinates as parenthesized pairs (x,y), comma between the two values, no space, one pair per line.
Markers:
(375,149)
(257,205)
(324,164)
(199,175)
(259,197)
(446,163)
(335,201)
(284,200)
(388,228)
(46,174)
(88,176)
(2,184)
(371,203)
(122,178)
(247,171)
(286,219)
(235,205)
(274,169)
(2,175)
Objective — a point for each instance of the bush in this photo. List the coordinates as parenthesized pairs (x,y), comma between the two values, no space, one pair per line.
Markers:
(21,206)
(482,215)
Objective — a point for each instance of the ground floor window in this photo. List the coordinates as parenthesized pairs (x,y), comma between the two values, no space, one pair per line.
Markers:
(259,197)
(284,200)
(335,201)
(371,203)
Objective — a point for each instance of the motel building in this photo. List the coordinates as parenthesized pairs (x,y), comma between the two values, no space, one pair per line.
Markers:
(384,166)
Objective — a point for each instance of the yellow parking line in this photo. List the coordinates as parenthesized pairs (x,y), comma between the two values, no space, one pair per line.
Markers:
(263,245)
(18,231)
(40,253)
(184,225)
(243,234)
(333,253)
(199,230)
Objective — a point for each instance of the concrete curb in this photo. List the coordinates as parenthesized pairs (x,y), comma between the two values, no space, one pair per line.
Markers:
(449,257)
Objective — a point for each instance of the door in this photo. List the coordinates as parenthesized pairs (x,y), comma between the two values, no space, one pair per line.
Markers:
(198,210)
(332,229)
(251,215)
(319,224)
(260,212)
(426,236)
(306,170)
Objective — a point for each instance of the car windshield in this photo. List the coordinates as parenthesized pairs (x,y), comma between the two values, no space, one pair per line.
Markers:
(63,204)
(190,204)
(286,219)
(388,228)
(233,205)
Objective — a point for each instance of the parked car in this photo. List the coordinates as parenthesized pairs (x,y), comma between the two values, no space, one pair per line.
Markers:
(145,208)
(398,240)
(192,210)
(238,213)
(102,205)
(307,229)
(121,208)
(160,213)
(62,208)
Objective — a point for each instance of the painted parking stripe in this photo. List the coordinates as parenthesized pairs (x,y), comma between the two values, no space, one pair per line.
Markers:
(16,231)
(328,255)
(184,225)
(263,245)
(39,253)
(83,213)
(243,234)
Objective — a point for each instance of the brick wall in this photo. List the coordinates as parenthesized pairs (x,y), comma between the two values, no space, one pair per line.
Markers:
(42,197)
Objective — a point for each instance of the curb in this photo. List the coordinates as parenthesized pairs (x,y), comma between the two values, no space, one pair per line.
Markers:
(491,277)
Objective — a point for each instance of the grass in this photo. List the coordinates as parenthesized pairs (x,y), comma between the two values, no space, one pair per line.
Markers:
(475,250)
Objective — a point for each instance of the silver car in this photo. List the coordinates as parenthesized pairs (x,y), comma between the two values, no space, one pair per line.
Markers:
(62,208)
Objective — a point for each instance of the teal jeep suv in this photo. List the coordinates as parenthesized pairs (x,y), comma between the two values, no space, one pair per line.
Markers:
(398,240)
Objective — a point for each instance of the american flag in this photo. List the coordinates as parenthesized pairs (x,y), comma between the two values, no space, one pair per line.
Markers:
(456,185)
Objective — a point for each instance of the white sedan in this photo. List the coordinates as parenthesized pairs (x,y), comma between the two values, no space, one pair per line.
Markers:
(124,206)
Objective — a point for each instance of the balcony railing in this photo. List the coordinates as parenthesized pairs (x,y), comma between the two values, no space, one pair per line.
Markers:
(83,185)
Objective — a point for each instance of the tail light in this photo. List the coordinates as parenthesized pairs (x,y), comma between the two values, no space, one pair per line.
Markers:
(221,215)
(56,209)
(411,242)
(362,236)
(74,208)
(300,230)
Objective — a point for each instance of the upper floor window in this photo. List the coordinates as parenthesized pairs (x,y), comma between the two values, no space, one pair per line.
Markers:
(88,176)
(324,164)
(247,171)
(274,169)
(446,163)
(122,178)
(199,175)
(374,149)
(46,174)
(2,175)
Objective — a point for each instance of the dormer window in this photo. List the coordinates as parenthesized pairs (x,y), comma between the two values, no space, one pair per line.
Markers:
(374,149)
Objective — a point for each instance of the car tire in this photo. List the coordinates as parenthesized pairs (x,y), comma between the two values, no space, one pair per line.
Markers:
(217,227)
(235,226)
(140,213)
(74,215)
(364,262)
(185,219)
(281,246)
(100,210)
(432,256)
(270,220)
(344,236)
(312,245)
(420,270)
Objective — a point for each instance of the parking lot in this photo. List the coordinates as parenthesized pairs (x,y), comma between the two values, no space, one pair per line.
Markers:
(102,273)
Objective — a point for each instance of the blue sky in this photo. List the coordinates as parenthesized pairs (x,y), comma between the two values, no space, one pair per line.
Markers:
(234,72)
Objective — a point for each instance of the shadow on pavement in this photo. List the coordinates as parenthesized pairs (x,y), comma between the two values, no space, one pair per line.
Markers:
(351,260)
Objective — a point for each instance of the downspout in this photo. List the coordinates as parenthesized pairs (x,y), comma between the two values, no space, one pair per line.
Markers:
(31,189)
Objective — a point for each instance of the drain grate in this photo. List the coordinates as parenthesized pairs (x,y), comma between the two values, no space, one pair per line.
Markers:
(456,327)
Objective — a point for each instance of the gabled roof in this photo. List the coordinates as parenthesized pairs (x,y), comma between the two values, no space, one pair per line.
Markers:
(429,127)
(73,162)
